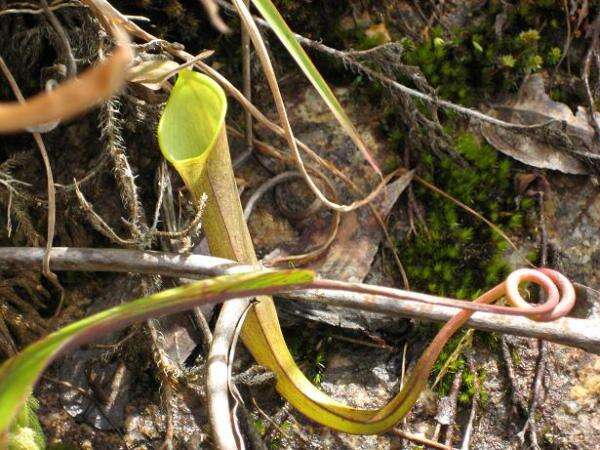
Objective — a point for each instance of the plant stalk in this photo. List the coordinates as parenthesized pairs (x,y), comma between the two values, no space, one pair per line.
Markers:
(574,332)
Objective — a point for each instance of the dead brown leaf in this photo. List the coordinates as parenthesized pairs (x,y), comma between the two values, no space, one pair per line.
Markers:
(351,254)
(72,97)
(533,105)
(152,73)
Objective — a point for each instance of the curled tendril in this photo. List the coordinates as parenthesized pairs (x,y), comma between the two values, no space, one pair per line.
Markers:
(560,298)
(560,295)
(559,291)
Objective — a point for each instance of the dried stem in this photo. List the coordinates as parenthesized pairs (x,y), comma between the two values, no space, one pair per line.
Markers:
(566,45)
(98,222)
(63,39)
(515,392)
(420,440)
(212,10)
(192,228)
(277,427)
(540,366)
(247,90)
(217,379)
(97,166)
(581,333)
(51,191)
(274,153)
(115,147)
(39,10)
(266,187)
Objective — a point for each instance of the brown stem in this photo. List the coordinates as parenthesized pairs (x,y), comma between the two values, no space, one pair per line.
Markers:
(581,333)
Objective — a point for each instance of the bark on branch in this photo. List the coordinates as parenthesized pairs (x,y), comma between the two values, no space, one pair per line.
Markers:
(581,333)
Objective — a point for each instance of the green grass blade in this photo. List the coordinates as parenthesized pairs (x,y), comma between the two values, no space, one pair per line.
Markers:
(19,374)
(286,36)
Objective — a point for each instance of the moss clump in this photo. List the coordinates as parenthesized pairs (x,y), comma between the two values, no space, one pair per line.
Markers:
(480,58)
(472,382)
(477,60)
(262,426)
(310,350)
(455,254)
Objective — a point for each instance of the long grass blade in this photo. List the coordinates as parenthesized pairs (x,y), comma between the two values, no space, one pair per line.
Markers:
(286,36)
(19,373)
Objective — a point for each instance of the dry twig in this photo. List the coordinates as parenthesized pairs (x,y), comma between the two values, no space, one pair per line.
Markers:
(63,39)
(51,191)
(581,333)
(247,90)
(420,440)
(540,366)
(32,9)
(212,10)
(276,426)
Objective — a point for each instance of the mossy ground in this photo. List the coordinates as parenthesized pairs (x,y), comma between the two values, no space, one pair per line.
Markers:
(496,46)
(454,254)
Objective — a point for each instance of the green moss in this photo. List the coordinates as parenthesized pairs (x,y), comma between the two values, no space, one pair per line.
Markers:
(476,61)
(453,253)
(516,356)
(455,365)
(259,425)
(472,383)
(508,61)
(310,350)
(276,442)
(529,37)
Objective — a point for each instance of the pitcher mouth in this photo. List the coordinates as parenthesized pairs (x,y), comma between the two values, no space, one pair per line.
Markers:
(193,118)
